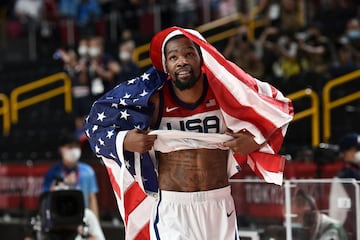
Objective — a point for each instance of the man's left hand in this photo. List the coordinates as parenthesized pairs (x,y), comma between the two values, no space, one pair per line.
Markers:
(243,143)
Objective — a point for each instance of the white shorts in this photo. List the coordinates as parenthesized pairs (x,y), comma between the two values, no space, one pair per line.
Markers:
(206,215)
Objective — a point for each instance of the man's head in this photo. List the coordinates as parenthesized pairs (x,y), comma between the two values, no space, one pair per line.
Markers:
(301,204)
(126,49)
(159,55)
(305,211)
(69,148)
(95,49)
(182,61)
(350,147)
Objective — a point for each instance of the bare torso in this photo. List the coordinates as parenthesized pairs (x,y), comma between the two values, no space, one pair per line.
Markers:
(190,170)
(193,170)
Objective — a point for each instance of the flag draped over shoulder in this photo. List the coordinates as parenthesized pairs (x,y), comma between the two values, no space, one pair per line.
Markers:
(132,176)
(246,103)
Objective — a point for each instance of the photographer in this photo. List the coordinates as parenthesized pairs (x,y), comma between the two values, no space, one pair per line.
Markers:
(72,173)
(62,215)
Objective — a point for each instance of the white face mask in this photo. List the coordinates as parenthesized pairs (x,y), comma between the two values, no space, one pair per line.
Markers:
(357,157)
(82,50)
(72,154)
(94,51)
(124,56)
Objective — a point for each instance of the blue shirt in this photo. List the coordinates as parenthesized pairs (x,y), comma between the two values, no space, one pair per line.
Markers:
(86,178)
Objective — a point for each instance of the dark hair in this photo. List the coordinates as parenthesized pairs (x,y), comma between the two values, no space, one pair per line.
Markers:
(300,193)
(197,47)
(68,138)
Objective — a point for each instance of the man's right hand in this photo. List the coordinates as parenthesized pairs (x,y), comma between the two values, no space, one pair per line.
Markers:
(138,141)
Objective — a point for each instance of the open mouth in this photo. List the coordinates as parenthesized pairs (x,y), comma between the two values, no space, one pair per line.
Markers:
(184,72)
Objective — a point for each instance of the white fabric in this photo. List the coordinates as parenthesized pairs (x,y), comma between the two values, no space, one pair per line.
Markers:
(93,223)
(207,215)
(173,140)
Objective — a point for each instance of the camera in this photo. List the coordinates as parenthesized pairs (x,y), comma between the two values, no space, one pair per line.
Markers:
(60,214)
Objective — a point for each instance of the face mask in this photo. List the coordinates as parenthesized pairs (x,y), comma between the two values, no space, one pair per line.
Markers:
(357,157)
(353,34)
(82,50)
(72,154)
(124,56)
(94,51)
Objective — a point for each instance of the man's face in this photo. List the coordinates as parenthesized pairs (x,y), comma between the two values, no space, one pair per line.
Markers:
(183,62)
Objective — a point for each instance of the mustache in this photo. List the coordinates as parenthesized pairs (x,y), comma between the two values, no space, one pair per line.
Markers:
(185,68)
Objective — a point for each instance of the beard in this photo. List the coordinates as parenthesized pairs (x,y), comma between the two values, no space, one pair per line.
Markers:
(183,85)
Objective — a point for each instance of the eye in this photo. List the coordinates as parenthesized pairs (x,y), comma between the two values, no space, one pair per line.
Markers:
(172,58)
(190,54)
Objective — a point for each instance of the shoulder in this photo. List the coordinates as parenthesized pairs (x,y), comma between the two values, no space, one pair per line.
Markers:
(54,168)
(84,167)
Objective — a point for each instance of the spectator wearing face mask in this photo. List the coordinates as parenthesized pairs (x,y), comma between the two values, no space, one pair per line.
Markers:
(128,68)
(352,33)
(102,68)
(75,65)
(350,150)
(73,174)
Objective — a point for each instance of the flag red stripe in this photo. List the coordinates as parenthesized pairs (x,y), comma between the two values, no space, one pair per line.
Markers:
(133,196)
(144,233)
(245,113)
(114,183)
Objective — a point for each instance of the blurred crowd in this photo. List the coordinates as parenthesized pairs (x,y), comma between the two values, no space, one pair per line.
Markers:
(94,72)
(302,42)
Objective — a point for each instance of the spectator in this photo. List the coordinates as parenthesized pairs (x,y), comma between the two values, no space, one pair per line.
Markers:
(315,50)
(344,62)
(92,229)
(27,10)
(75,67)
(101,67)
(310,223)
(87,15)
(242,52)
(185,13)
(267,48)
(352,32)
(74,174)
(227,8)
(68,8)
(128,68)
(350,149)
(349,146)
(289,20)
(334,15)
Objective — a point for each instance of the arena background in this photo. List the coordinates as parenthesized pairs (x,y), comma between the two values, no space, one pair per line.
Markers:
(35,99)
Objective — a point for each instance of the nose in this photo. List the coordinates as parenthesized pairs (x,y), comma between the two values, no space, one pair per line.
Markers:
(182,60)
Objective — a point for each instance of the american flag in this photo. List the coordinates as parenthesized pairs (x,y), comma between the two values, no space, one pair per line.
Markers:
(126,107)
(246,103)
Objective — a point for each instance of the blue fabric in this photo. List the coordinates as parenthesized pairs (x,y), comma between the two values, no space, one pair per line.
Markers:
(125,107)
(87,179)
(68,8)
(87,11)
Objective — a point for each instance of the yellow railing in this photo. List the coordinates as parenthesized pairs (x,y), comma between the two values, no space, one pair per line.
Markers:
(65,89)
(10,109)
(312,111)
(5,111)
(328,104)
